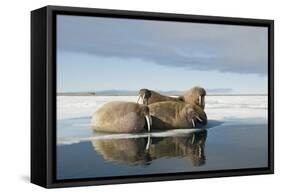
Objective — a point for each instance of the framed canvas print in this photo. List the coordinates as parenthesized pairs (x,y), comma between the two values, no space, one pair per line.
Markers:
(126,96)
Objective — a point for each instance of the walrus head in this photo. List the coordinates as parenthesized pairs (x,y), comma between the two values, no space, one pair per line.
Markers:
(195,95)
(144,94)
(193,117)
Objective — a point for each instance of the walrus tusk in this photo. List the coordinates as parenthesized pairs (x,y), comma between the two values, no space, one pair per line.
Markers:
(200,100)
(142,97)
(197,117)
(148,122)
(138,98)
(193,124)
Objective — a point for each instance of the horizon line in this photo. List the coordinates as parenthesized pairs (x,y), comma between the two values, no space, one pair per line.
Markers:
(129,93)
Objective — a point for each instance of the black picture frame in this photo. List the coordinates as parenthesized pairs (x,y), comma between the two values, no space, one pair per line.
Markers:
(43,95)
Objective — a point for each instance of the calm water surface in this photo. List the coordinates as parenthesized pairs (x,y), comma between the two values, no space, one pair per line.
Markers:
(82,153)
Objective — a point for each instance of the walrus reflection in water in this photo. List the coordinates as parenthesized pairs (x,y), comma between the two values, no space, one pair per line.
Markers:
(195,95)
(176,115)
(133,151)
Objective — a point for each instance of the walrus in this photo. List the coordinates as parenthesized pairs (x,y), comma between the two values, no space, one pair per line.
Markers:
(176,115)
(195,95)
(121,117)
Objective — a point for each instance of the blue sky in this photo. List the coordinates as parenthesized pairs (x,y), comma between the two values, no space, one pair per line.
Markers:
(97,54)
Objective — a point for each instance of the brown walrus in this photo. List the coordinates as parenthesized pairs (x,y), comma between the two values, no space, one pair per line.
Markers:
(176,115)
(195,95)
(121,117)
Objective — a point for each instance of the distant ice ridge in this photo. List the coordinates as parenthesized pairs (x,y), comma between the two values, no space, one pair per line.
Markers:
(217,107)
(236,107)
